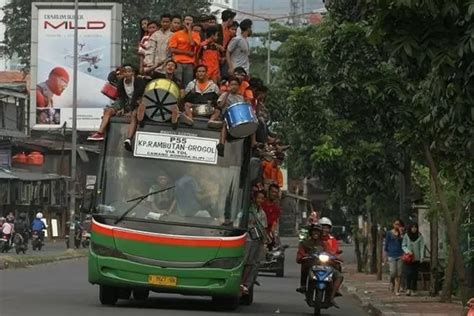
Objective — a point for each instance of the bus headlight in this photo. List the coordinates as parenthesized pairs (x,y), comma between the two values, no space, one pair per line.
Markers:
(323,258)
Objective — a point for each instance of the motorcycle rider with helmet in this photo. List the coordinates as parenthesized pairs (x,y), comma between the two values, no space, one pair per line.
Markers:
(332,247)
(21,227)
(38,226)
(312,243)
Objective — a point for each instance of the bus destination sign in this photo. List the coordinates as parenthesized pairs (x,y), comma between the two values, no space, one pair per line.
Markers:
(176,147)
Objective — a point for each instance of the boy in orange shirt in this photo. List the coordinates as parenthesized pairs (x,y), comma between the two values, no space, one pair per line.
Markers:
(182,46)
(209,53)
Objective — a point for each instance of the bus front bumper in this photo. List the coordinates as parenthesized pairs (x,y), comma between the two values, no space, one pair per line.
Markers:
(190,281)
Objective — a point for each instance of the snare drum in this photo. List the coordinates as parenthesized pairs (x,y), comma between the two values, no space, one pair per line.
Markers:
(203,110)
(241,120)
(159,98)
(110,91)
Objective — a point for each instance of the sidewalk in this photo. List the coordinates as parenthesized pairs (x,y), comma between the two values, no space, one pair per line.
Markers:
(375,296)
(52,251)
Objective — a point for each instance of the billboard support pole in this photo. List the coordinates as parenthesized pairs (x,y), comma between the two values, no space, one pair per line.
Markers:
(72,194)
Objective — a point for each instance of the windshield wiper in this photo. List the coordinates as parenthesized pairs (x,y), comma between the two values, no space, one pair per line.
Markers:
(139,200)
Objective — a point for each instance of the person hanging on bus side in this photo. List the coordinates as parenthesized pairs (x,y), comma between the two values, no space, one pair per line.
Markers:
(199,91)
(130,90)
(257,223)
(209,54)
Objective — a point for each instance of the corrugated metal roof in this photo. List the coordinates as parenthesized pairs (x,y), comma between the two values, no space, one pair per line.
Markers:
(6,175)
(25,175)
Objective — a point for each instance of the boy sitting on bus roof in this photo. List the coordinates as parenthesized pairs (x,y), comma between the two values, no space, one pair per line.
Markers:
(130,91)
(199,91)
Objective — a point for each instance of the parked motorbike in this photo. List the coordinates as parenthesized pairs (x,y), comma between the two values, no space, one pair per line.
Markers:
(274,261)
(20,243)
(86,238)
(320,281)
(36,240)
(4,244)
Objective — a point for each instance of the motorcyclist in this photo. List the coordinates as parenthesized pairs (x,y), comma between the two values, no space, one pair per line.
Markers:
(330,240)
(332,247)
(38,226)
(312,220)
(78,229)
(21,227)
(87,225)
(309,245)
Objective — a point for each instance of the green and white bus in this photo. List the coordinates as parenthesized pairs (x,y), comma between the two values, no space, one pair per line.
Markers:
(171,216)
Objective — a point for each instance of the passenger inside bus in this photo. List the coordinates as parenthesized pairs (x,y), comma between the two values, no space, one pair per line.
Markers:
(163,201)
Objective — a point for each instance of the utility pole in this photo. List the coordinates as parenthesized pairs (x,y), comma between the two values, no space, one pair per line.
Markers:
(72,193)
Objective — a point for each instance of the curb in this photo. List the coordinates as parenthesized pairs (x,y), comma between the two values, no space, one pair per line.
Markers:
(15,262)
(375,307)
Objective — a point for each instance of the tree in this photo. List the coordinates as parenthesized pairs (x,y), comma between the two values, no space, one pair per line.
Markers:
(377,87)
(17,20)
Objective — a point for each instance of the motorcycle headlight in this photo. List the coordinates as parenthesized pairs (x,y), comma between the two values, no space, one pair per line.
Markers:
(277,253)
(323,258)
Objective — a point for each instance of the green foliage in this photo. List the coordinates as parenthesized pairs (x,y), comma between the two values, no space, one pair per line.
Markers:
(17,20)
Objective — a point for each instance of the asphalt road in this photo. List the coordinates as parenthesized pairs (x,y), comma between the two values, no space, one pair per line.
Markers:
(62,289)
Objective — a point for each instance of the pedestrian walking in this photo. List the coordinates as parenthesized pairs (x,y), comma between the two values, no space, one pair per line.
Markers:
(393,252)
(413,245)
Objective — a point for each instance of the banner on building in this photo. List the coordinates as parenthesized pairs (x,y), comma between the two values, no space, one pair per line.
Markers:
(53,60)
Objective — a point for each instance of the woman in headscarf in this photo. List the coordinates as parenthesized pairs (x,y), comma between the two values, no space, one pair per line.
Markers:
(413,243)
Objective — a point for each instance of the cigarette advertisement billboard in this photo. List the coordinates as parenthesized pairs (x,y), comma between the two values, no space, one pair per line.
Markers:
(53,62)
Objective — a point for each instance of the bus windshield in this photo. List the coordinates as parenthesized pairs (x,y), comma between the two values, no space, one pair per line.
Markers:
(207,194)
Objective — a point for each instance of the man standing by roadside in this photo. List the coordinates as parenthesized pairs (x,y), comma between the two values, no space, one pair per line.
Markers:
(182,46)
(271,207)
(238,50)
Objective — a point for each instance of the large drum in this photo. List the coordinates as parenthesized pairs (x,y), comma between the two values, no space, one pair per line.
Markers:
(110,91)
(241,120)
(159,98)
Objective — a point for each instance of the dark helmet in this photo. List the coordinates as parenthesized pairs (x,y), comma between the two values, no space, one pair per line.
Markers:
(315,227)
(22,215)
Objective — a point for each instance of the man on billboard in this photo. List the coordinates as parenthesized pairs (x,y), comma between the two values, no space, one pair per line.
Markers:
(56,83)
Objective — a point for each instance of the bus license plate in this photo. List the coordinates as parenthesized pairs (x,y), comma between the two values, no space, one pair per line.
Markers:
(162,280)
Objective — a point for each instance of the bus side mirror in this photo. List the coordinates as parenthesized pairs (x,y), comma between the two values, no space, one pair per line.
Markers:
(254,168)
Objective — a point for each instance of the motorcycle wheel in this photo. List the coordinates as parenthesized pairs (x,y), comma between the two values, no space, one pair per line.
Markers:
(317,303)
(77,243)
(281,271)
(40,245)
(17,249)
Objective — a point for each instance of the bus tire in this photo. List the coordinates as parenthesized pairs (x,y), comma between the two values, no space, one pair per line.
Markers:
(108,295)
(228,303)
(124,293)
(141,294)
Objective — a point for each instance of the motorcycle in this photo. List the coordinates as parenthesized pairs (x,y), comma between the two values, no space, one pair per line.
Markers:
(36,240)
(4,244)
(320,282)
(274,261)
(20,243)
(86,238)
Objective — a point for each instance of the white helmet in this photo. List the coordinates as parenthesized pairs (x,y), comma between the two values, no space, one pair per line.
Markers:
(325,221)
(39,215)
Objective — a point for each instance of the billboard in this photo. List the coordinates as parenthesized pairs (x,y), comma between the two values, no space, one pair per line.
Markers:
(53,60)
